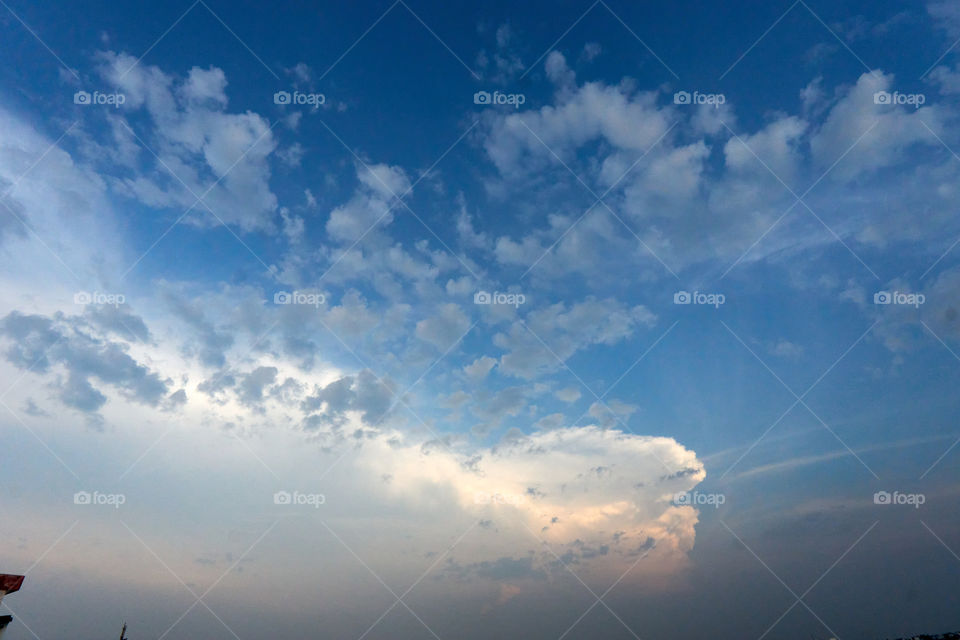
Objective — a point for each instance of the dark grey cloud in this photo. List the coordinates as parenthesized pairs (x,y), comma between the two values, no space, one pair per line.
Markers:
(118,321)
(176,400)
(253,388)
(252,385)
(78,393)
(362,392)
(219,382)
(38,343)
(288,391)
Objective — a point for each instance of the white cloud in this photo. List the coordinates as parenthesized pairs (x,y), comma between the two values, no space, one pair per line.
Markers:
(291,156)
(370,204)
(558,72)
(568,394)
(611,414)
(591,50)
(74,243)
(477,370)
(465,231)
(199,143)
(895,128)
(506,62)
(293,226)
(384,180)
(203,85)
(601,496)
(565,331)
(444,327)
(947,15)
(671,180)
(947,78)
(625,120)
(301,71)
(786,349)
(776,146)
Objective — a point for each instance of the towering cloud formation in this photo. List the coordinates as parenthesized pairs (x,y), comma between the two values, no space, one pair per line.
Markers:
(586,496)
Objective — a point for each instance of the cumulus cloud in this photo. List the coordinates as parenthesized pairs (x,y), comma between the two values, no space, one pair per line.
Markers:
(199,142)
(886,129)
(947,16)
(363,395)
(252,386)
(205,85)
(494,407)
(786,349)
(380,184)
(688,208)
(70,347)
(611,414)
(558,332)
(623,118)
(477,370)
(947,78)
(599,497)
(443,328)
(503,63)
(568,394)
(772,149)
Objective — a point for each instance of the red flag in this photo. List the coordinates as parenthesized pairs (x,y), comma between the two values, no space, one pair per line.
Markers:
(10,583)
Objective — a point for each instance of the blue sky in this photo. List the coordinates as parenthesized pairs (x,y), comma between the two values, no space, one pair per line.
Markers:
(683,305)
